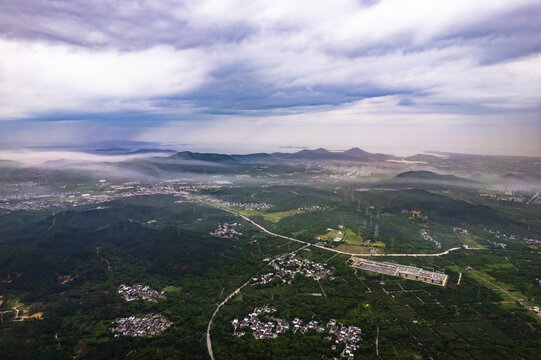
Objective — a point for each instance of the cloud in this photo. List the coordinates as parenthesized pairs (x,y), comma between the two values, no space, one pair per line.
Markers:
(39,157)
(220,60)
(37,78)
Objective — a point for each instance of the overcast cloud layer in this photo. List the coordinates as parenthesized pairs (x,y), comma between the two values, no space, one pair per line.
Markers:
(458,75)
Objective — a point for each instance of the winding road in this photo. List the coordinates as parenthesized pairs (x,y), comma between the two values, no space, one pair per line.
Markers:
(338,251)
(237,290)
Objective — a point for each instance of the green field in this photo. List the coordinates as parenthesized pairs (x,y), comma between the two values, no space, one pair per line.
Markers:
(117,243)
(472,240)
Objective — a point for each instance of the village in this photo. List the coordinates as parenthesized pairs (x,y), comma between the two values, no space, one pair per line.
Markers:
(271,327)
(227,231)
(313,208)
(140,292)
(149,325)
(101,192)
(499,235)
(287,266)
(246,206)
(414,214)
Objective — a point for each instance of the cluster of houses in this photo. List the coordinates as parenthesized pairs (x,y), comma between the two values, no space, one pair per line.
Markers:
(103,192)
(497,244)
(287,266)
(508,192)
(536,310)
(348,335)
(426,235)
(313,325)
(500,235)
(227,231)
(415,214)
(530,241)
(140,292)
(265,326)
(149,325)
(458,229)
(261,329)
(313,208)
(246,206)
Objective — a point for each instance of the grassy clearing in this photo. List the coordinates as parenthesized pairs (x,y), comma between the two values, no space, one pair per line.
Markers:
(354,249)
(352,238)
(353,243)
(277,216)
(268,216)
(172,289)
(347,235)
(332,235)
(471,240)
(273,217)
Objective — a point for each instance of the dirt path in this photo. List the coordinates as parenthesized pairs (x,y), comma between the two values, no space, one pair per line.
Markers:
(321,287)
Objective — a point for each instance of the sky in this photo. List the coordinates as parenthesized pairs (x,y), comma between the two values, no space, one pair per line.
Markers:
(247,76)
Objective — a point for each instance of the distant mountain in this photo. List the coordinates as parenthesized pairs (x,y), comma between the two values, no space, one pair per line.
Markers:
(361,155)
(427,180)
(150,151)
(208,157)
(258,157)
(522,178)
(423,157)
(320,154)
(356,152)
(9,163)
(353,154)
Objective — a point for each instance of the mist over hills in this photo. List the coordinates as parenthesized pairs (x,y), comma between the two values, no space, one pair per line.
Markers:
(431,176)
(129,160)
(429,179)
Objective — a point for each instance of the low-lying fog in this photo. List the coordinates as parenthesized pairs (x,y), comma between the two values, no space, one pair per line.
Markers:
(34,158)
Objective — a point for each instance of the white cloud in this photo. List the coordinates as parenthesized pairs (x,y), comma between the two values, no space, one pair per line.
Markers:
(338,63)
(36,78)
(40,157)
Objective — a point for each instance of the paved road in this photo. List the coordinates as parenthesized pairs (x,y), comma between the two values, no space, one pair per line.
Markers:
(235,292)
(338,251)
(334,250)
(306,243)
(533,197)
